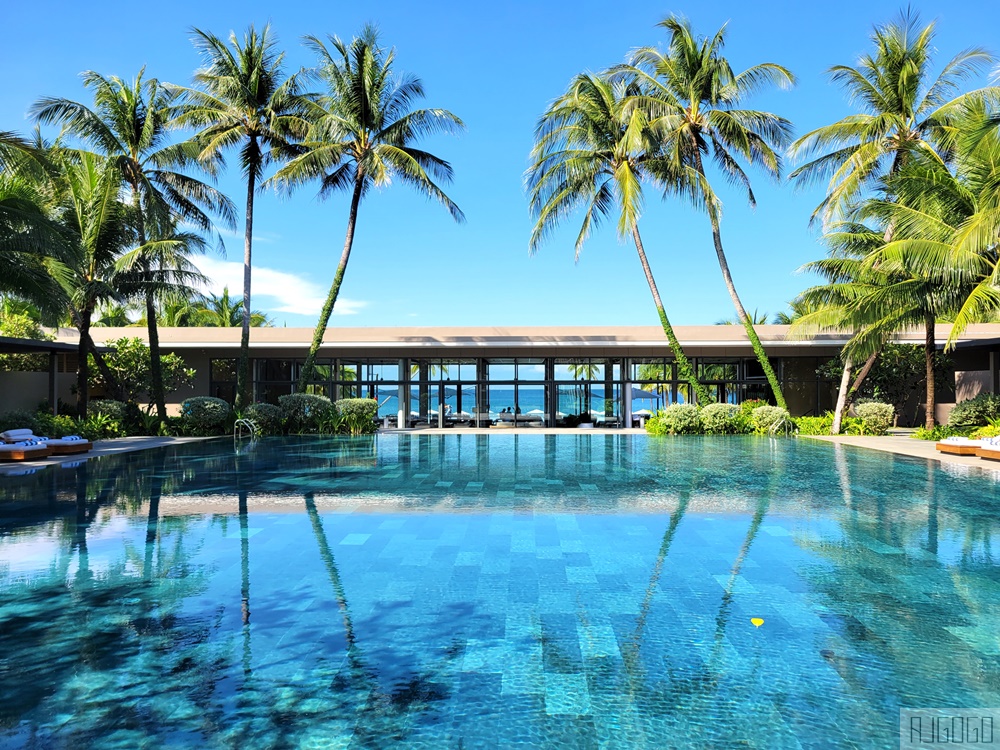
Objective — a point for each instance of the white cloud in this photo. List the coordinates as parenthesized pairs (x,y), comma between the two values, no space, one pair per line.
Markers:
(272,290)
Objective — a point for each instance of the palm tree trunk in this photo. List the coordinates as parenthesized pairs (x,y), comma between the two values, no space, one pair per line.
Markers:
(838,412)
(83,366)
(243,385)
(683,364)
(930,350)
(155,368)
(741,312)
(331,298)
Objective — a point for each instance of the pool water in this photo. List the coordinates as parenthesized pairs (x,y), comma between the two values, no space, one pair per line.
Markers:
(466,591)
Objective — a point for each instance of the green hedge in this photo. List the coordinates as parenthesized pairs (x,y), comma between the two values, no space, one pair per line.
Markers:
(267,417)
(875,416)
(721,419)
(768,418)
(359,414)
(975,412)
(205,415)
(304,412)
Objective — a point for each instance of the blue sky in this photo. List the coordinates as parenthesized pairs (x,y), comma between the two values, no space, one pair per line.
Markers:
(496,66)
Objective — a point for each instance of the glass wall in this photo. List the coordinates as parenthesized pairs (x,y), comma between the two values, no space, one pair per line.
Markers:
(530,391)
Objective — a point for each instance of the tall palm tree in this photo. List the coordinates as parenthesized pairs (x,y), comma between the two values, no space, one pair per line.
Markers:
(694,101)
(361,136)
(128,123)
(222,312)
(902,113)
(244,100)
(100,228)
(594,150)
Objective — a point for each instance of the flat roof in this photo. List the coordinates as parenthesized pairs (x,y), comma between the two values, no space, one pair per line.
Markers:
(10,345)
(527,337)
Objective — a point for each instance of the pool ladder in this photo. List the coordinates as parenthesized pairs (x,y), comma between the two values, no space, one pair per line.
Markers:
(245,428)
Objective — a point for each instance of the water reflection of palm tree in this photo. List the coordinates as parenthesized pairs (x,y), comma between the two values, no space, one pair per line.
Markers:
(380,705)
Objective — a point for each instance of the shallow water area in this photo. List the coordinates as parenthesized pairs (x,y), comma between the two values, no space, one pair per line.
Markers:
(448,590)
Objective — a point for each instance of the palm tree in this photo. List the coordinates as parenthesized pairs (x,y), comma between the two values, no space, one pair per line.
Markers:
(594,150)
(757,318)
(361,136)
(90,212)
(902,114)
(221,312)
(29,237)
(128,124)
(693,98)
(244,101)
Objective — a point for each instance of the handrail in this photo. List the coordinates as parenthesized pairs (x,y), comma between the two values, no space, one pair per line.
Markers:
(245,424)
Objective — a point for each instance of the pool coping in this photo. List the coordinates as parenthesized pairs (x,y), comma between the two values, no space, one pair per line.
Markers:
(110,447)
(902,444)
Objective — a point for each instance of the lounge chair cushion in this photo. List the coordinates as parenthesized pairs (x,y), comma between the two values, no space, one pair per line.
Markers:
(30,443)
(16,434)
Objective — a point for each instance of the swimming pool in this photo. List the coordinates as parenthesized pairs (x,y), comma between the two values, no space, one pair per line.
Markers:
(447,590)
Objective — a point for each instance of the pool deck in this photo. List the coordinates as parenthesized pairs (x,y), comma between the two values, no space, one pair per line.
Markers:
(901,443)
(101,448)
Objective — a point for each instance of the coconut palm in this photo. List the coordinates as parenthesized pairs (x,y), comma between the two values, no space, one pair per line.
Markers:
(593,150)
(223,312)
(128,123)
(901,112)
(98,224)
(694,101)
(361,136)
(244,100)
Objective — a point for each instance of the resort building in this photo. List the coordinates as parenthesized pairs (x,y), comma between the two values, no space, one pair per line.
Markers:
(524,376)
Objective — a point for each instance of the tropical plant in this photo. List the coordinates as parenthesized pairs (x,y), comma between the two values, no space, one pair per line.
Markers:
(593,150)
(223,312)
(679,419)
(876,417)
(128,126)
(767,419)
(99,229)
(359,414)
(130,363)
(694,103)
(902,115)
(244,100)
(205,415)
(721,419)
(22,326)
(267,417)
(361,136)
(975,412)
(304,412)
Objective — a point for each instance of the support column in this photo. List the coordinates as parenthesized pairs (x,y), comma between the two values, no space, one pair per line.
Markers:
(53,376)
(403,394)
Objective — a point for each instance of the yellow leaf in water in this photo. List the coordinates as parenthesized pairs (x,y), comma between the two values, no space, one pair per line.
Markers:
(757,621)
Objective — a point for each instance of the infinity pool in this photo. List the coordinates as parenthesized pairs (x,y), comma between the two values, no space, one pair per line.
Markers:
(446,591)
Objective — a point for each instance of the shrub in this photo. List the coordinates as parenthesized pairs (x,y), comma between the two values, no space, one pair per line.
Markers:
(114,409)
(655,425)
(304,412)
(98,426)
(721,419)
(768,418)
(55,426)
(876,417)
(815,425)
(975,412)
(990,430)
(20,420)
(680,419)
(940,432)
(204,415)
(266,416)
(359,414)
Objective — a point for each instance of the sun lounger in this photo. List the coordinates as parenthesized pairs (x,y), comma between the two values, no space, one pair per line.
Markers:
(989,449)
(64,446)
(25,451)
(959,446)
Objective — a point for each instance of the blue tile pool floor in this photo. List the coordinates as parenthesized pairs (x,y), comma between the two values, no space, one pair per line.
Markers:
(486,591)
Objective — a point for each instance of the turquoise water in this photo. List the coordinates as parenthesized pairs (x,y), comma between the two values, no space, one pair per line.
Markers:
(446,591)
